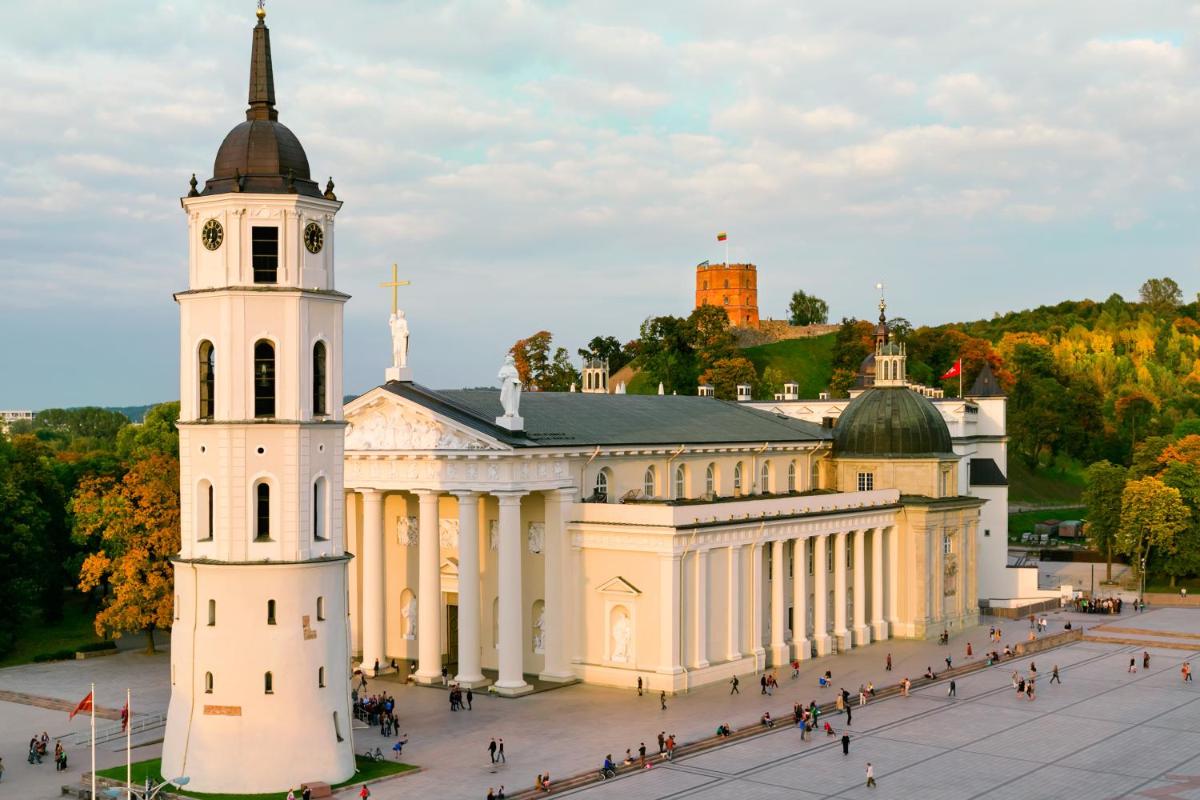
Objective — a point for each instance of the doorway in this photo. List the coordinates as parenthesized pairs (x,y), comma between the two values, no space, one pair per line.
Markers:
(451,634)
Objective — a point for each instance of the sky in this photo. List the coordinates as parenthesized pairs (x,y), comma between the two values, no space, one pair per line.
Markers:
(564,165)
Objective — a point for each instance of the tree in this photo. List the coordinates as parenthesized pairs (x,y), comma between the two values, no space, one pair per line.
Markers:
(709,336)
(1185,560)
(135,521)
(771,383)
(1161,295)
(665,353)
(87,422)
(807,309)
(610,349)
(156,434)
(727,373)
(542,367)
(1104,483)
(1152,516)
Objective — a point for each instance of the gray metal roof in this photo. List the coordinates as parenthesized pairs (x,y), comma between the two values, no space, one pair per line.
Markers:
(566,419)
(891,422)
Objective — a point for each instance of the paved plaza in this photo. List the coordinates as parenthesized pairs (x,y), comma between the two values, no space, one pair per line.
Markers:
(1102,733)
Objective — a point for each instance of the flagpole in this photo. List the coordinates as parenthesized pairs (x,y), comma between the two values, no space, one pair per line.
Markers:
(960,378)
(128,750)
(93,710)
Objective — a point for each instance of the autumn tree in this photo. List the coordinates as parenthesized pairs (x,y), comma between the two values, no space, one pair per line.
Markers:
(1161,295)
(807,309)
(132,526)
(541,366)
(1152,516)
(725,375)
(1102,493)
(1184,560)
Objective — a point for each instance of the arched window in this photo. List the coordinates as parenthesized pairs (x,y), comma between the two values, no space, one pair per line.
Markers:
(601,492)
(208,683)
(726,299)
(710,480)
(764,478)
(737,479)
(680,482)
(791,476)
(262,510)
(648,482)
(204,522)
(264,379)
(727,283)
(268,684)
(207,380)
(318,378)
(212,612)
(320,609)
(270,612)
(318,510)
(320,677)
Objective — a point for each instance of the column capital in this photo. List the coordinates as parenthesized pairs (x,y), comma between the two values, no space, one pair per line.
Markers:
(509,498)
(563,493)
(466,494)
(426,492)
(367,491)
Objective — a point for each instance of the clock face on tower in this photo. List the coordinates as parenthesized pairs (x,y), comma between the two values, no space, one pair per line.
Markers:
(212,234)
(314,238)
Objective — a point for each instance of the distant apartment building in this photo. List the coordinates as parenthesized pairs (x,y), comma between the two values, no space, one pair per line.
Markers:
(7,418)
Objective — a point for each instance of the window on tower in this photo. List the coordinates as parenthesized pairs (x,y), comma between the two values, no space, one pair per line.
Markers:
(204,528)
(264,379)
(262,506)
(212,612)
(268,684)
(318,377)
(270,612)
(208,683)
(318,505)
(264,244)
(208,379)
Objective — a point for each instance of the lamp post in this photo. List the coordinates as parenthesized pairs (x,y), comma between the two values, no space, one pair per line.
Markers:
(1142,592)
(148,792)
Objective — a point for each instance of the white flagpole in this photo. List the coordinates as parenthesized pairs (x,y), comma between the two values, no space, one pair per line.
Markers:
(128,756)
(727,249)
(93,704)
(960,377)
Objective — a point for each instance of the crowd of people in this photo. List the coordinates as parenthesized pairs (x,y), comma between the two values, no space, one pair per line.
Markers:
(39,748)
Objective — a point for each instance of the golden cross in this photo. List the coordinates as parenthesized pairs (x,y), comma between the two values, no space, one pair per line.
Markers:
(395,284)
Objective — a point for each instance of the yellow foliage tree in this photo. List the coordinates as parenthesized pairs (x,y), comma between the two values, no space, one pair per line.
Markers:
(134,523)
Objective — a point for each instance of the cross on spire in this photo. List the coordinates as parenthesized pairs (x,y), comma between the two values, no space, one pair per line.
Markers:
(395,284)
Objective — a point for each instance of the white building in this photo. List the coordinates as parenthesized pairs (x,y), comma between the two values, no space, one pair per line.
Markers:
(7,418)
(260,697)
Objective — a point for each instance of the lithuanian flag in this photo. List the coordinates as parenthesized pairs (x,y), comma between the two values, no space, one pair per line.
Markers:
(722,236)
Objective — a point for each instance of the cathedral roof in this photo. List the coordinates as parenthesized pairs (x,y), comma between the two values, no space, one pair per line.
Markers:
(564,419)
(986,384)
(891,422)
(261,155)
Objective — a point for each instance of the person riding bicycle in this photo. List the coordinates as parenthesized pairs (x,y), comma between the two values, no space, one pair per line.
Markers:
(609,765)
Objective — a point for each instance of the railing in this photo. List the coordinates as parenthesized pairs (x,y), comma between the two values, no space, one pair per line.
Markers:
(139,724)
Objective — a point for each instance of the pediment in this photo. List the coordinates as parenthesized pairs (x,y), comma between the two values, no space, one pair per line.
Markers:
(389,423)
(450,567)
(618,585)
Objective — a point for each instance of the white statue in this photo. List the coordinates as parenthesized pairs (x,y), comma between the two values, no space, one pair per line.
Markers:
(399,326)
(409,616)
(539,632)
(510,387)
(621,635)
(537,537)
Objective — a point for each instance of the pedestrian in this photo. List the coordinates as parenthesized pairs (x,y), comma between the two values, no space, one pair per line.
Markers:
(1132,665)
(1186,670)
(969,653)
(639,685)
(870,776)
(762,681)
(1054,675)
(291,795)
(662,742)
(888,667)
(491,795)
(733,685)
(364,793)
(1145,659)
(840,703)
(662,700)
(500,793)
(671,747)
(847,713)
(948,664)
(500,752)
(642,754)
(862,695)
(470,697)
(952,692)
(845,744)
(492,750)
(305,792)
(445,676)
(376,668)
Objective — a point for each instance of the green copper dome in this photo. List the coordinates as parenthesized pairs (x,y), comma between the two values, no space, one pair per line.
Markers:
(891,422)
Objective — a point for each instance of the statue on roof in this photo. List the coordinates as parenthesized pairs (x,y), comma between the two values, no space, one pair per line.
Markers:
(510,387)
(399,326)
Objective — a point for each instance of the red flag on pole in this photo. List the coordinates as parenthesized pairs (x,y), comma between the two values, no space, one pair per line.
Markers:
(84,705)
(954,371)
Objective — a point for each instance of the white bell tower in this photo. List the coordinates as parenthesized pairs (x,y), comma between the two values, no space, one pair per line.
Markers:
(260,695)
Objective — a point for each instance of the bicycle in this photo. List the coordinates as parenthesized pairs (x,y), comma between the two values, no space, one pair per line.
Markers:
(607,772)
(376,755)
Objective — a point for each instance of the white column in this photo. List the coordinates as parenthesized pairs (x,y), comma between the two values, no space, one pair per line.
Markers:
(429,588)
(668,618)
(937,601)
(862,634)
(576,603)
(879,626)
(734,604)
(839,592)
(800,645)
(372,572)
(820,596)
(469,654)
(779,648)
(512,672)
(893,582)
(756,614)
(700,606)
(554,641)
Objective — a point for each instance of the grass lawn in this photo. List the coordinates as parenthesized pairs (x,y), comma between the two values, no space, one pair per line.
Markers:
(366,770)
(1045,485)
(36,637)
(1019,523)
(809,362)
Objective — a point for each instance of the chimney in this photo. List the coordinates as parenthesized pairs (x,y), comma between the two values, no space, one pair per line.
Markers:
(704,390)
(743,392)
(791,391)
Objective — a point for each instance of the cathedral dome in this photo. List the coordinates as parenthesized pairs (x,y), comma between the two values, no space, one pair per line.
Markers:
(891,422)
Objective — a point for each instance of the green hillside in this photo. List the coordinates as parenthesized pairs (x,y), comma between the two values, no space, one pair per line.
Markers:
(809,362)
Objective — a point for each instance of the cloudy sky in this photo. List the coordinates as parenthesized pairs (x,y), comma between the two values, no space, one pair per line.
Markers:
(564,165)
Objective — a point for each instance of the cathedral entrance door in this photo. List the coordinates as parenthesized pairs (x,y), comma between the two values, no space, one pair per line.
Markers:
(451,634)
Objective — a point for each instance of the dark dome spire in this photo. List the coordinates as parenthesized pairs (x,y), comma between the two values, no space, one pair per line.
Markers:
(261,155)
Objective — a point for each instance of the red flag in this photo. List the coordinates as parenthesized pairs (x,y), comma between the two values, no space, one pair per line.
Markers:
(125,717)
(84,705)
(954,371)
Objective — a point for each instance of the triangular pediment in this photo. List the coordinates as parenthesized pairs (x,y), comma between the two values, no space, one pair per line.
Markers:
(450,567)
(379,420)
(618,585)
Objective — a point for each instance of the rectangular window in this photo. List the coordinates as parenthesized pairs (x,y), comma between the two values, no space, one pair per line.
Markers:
(866,481)
(264,244)
(947,544)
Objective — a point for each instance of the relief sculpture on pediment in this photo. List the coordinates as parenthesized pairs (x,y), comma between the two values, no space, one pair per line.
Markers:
(393,429)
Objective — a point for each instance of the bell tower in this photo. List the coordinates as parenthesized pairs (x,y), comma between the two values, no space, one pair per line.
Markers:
(260,696)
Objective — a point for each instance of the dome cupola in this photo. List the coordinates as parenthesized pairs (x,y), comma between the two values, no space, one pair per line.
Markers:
(891,422)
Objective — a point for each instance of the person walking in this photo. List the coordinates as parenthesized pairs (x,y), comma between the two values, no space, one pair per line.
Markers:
(969,653)
(1186,671)
(291,795)
(1145,659)
(500,752)
(762,681)
(1132,665)
(870,776)
(888,666)
(733,685)
(845,744)
(848,713)
(639,685)
(952,692)
(662,700)
(492,750)
(1054,675)
(662,742)
(364,793)
(642,754)
(840,703)
(470,697)
(948,664)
